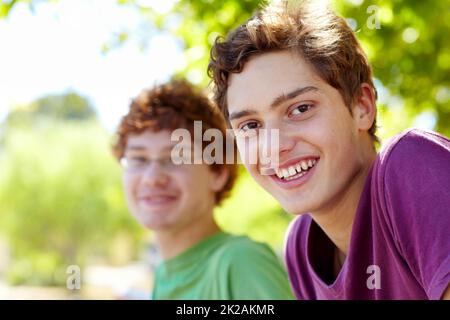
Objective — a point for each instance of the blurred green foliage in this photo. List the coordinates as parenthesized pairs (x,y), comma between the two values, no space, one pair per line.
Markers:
(409,52)
(7,5)
(410,56)
(69,106)
(61,199)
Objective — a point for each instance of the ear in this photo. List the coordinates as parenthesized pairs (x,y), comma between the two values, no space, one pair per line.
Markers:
(220,178)
(364,108)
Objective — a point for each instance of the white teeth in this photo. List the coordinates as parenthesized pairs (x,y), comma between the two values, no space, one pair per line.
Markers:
(298,175)
(304,165)
(295,171)
(292,171)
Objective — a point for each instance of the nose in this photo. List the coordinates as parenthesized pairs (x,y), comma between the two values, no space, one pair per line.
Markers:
(286,142)
(154,175)
(274,143)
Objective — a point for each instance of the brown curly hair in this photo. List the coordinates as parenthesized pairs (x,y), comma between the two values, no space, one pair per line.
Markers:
(320,36)
(175,104)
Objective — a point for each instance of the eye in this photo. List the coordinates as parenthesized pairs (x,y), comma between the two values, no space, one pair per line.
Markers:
(247,126)
(300,109)
(136,161)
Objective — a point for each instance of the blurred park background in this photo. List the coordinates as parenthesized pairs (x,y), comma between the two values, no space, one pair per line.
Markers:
(67,72)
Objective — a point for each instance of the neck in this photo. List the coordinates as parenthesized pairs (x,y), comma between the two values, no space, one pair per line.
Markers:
(174,242)
(336,219)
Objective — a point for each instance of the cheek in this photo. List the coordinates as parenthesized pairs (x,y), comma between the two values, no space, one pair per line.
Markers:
(186,182)
(331,134)
(129,186)
(191,194)
(248,152)
(340,153)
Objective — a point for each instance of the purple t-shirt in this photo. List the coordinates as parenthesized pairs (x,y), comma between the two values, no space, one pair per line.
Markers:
(400,241)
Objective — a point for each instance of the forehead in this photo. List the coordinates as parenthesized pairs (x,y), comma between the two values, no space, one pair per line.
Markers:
(267,76)
(149,140)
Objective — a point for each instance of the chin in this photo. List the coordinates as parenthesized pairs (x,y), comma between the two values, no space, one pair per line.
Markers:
(155,226)
(295,211)
(295,208)
(147,224)
(151,223)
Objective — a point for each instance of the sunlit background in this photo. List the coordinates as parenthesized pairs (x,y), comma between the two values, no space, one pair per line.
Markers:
(68,70)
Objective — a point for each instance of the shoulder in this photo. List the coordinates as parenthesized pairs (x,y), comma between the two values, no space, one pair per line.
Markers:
(251,270)
(242,248)
(413,145)
(412,185)
(412,158)
(241,254)
(411,179)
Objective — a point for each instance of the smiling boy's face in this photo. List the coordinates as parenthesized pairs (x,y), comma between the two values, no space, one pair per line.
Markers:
(320,143)
(163,196)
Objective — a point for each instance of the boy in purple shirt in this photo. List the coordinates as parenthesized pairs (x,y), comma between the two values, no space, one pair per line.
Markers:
(370,226)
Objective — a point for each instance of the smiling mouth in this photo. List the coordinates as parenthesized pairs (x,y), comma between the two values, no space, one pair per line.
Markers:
(157,200)
(297,170)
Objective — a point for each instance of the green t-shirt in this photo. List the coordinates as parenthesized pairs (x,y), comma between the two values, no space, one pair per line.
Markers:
(223,267)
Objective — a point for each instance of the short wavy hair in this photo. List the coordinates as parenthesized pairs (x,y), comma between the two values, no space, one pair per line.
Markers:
(175,104)
(318,34)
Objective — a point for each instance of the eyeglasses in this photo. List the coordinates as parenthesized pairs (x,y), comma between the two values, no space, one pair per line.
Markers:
(140,163)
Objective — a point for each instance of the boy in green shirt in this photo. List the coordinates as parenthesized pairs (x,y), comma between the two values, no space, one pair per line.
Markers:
(175,198)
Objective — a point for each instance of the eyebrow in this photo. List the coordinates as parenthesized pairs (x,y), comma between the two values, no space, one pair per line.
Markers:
(240,114)
(285,97)
(139,148)
(275,103)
